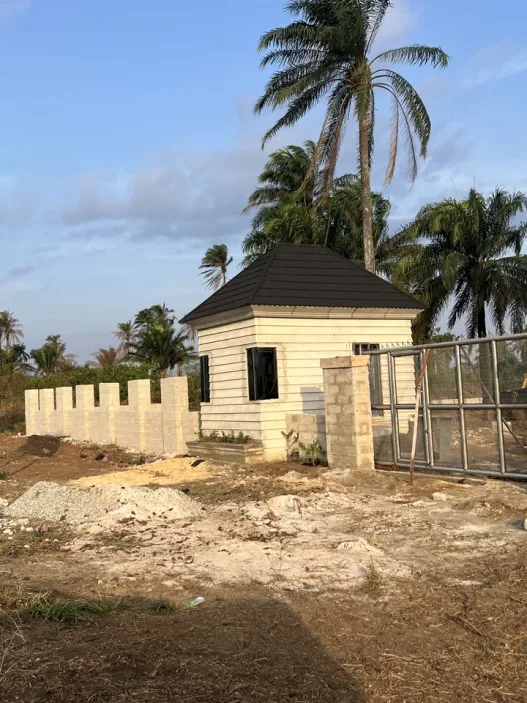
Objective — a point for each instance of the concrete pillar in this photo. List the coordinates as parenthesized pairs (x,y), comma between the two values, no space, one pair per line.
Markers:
(349,432)
(102,419)
(139,402)
(178,425)
(32,413)
(85,403)
(47,410)
(64,412)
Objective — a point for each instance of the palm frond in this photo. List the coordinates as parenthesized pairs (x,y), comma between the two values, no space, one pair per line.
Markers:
(416,55)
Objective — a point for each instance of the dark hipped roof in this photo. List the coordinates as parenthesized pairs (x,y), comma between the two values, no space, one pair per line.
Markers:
(303,275)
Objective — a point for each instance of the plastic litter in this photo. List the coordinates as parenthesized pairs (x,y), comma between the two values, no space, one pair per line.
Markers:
(197,601)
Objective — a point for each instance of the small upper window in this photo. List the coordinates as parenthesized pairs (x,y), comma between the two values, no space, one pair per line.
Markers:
(262,373)
(205,378)
(375,374)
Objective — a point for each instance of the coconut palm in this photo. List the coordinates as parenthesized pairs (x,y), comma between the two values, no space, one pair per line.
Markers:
(327,54)
(124,333)
(106,357)
(51,357)
(472,262)
(163,348)
(286,212)
(215,264)
(156,315)
(10,329)
(14,360)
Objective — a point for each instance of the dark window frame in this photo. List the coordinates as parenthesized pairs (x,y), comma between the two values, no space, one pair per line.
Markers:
(262,388)
(204,373)
(363,348)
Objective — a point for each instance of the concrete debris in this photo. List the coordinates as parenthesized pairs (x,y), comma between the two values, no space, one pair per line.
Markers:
(439,497)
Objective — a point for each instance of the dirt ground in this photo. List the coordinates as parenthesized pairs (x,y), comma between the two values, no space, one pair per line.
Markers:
(319,585)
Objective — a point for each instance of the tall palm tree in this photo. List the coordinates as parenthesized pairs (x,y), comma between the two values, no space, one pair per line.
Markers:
(106,357)
(10,329)
(14,360)
(51,357)
(215,264)
(124,333)
(286,212)
(327,53)
(164,348)
(158,315)
(472,260)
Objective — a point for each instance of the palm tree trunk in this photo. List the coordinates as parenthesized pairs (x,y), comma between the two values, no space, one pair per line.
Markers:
(365,179)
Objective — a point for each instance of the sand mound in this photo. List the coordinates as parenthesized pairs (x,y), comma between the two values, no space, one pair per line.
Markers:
(54,502)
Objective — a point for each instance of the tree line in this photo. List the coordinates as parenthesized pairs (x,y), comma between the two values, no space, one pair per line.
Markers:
(151,340)
(462,256)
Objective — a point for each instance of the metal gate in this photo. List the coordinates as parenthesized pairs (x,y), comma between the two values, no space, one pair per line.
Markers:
(472,414)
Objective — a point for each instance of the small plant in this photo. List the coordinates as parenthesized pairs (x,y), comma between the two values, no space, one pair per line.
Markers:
(71,612)
(4,475)
(312,452)
(291,439)
(374,581)
(140,460)
(160,605)
(227,438)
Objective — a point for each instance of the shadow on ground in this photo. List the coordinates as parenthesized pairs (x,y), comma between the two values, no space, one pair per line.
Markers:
(252,649)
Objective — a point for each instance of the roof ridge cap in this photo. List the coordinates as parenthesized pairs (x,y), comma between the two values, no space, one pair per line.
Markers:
(272,257)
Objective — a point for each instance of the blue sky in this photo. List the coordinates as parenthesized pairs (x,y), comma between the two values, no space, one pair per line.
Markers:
(128,143)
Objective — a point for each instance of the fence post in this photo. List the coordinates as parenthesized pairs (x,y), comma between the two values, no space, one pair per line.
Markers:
(64,398)
(177,420)
(349,430)
(32,413)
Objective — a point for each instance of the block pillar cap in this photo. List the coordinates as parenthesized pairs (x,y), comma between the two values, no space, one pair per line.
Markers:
(345,362)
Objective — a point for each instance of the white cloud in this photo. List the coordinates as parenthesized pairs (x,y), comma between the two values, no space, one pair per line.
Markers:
(10,8)
(400,20)
(199,197)
(497,62)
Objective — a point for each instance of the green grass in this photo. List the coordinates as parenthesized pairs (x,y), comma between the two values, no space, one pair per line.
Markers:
(160,605)
(27,543)
(374,581)
(4,475)
(71,612)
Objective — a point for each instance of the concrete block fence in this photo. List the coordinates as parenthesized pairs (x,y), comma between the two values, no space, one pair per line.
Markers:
(163,428)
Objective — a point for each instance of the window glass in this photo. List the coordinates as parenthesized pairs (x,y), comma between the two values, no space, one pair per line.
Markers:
(375,373)
(205,379)
(262,373)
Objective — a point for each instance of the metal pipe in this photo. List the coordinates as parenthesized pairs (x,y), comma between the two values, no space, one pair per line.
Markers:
(393,410)
(459,342)
(427,416)
(499,420)
(466,406)
(460,398)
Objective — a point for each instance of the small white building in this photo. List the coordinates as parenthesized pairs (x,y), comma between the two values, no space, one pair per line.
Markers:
(263,334)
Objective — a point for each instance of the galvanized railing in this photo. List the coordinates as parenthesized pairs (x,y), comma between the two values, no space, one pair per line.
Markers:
(473,409)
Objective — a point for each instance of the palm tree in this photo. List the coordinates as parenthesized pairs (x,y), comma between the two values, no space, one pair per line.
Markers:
(326,53)
(215,264)
(106,357)
(286,212)
(14,360)
(472,259)
(158,315)
(124,333)
(51,357)
(162,347)
(10,329)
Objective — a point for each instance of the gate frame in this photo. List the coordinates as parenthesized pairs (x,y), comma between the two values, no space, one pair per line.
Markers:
(427,406)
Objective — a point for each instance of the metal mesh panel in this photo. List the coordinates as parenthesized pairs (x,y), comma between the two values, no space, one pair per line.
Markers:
(446,438)
(382,438)
(442,376)
(482,440)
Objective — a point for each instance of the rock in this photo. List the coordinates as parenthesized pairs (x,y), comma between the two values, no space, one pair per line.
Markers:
(419,504)
(525,524)
(472,481)
(439,497)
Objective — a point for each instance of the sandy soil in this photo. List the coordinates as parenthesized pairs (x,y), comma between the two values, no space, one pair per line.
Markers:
(319,585)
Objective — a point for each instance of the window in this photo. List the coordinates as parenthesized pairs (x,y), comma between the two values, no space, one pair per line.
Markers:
(375,374)
(205,378)
(262,373)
